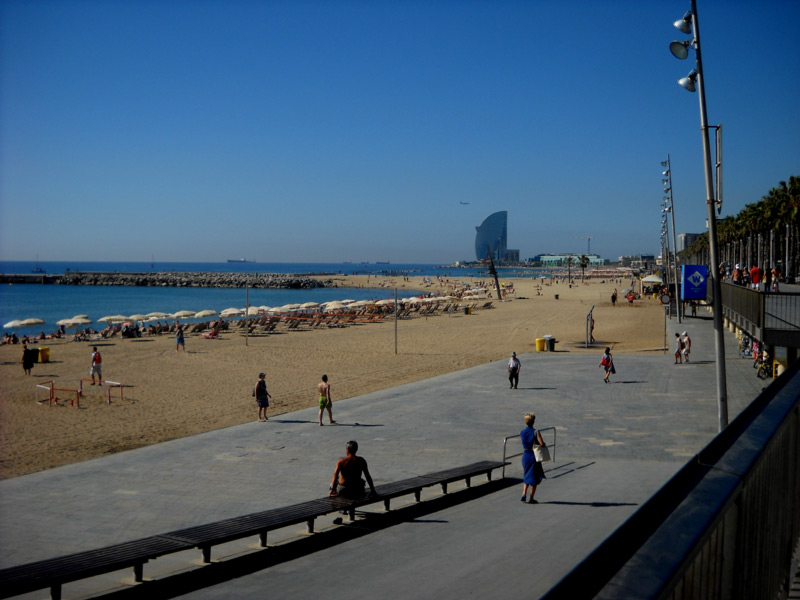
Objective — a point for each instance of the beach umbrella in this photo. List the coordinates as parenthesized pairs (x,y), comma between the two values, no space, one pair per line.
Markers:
(137,317)
(348,301)
(309,305)
(653,279)
(184,314)
(13,324)
(159,315)
(334,305)
(277,310)
(112,319)
(31,322)
(360,303)
(385,302)
(205,313)
(264,308)
(253,311)
(231,312)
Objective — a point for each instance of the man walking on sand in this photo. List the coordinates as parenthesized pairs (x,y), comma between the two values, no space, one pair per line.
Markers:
(324,389)
(514,367)
(97,368)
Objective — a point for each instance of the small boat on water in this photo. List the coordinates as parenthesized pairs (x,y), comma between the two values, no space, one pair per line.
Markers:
(240,260)
(37,268)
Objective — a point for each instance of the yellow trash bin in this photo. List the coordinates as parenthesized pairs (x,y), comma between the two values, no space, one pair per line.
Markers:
(540,344)
(44,354)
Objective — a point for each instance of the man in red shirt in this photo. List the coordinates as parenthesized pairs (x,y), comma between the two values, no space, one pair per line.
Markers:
(755,277)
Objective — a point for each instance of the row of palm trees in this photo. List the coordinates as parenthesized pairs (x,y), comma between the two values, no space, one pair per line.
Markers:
(766,233)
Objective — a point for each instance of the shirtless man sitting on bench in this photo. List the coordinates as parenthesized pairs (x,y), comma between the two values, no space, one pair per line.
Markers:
(347,481)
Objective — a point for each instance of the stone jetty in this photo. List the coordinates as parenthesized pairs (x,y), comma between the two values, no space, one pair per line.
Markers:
(175,279)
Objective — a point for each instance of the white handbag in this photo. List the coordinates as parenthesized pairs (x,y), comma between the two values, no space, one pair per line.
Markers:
(542,453)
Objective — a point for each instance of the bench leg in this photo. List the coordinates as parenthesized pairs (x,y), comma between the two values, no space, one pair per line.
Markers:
(417,494)
(468,482)
(206,554)
(351,514)
(386,504)
(489,476)
(138,572)
(262,539)
(310,526)
(444,488)
(55,592)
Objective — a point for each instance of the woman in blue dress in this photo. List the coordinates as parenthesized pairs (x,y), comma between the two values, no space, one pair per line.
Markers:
(534,473)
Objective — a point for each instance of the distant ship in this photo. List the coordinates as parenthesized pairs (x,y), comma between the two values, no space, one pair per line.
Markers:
(240,260)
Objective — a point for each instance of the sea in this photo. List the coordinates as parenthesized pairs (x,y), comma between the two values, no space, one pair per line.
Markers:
(52,303)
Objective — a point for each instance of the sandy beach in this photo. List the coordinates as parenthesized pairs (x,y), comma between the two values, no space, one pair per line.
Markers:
(171,394)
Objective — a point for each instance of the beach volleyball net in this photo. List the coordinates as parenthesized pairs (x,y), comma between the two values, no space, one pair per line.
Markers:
(72,390)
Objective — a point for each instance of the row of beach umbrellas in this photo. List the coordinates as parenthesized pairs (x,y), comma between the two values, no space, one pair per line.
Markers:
(79,320)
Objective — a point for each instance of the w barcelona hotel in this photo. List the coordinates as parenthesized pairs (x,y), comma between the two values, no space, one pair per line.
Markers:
(492,239)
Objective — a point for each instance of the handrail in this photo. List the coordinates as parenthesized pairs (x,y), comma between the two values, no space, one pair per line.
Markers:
(508,437)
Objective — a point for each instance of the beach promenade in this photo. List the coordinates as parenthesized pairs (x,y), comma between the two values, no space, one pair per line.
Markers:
(617,444)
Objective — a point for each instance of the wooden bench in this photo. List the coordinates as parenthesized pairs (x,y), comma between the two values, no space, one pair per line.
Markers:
(55,572)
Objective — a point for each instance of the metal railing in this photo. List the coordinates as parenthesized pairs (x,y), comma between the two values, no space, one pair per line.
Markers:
(723,527)
(510,437)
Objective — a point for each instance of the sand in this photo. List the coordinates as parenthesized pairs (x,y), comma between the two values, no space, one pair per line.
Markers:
(168,394)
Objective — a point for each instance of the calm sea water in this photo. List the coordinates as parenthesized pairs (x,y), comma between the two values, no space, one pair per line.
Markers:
(52,303)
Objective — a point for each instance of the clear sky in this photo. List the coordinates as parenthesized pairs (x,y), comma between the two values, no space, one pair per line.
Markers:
(332,131)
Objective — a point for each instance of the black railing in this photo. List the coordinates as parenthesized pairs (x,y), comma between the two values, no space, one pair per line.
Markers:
(723,527)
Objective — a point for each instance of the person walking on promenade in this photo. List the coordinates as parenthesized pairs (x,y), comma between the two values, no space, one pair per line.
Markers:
(180,343)
(27,359)
(346,481)
(755,277)
(533,470)
(608,364)
(514,367)
(614,299)
(678,349)
(324,389)
(687,346)
(97,366)
(262,397)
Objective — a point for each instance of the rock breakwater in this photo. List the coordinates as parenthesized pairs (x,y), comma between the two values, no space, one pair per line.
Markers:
(176,279)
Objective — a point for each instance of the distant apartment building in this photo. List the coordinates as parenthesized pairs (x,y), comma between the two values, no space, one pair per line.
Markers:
(638,261)
(686,239)
(560,260)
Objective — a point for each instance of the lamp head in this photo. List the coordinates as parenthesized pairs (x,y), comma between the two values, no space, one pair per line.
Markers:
(688,82)
(680,49)
(665,173)
(684,24)
(663,163)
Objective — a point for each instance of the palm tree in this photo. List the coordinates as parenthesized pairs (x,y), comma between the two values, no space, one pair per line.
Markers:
(583,262)
(570,261)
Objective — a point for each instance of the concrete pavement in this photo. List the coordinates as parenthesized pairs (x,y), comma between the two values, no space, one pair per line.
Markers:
(617,444)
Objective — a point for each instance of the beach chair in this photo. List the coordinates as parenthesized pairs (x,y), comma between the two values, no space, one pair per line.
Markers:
(212,335)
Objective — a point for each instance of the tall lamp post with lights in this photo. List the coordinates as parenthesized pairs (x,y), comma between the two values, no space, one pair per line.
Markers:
(694,82)
(669,207)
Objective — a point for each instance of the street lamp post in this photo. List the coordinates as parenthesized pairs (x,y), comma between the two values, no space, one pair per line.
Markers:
(680,50)
(670,208)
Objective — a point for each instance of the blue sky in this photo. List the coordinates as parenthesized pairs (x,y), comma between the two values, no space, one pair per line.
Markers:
(336,131)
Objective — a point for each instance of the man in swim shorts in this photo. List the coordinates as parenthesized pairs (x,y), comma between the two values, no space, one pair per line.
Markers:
(324,389)
(97,368)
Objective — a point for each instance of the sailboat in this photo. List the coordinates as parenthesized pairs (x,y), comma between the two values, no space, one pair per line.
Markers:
(37,268)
